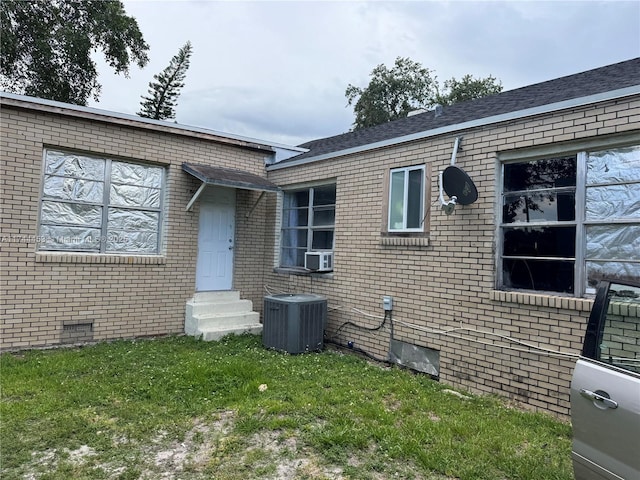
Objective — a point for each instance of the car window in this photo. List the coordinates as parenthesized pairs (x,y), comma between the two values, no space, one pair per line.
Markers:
(620,339)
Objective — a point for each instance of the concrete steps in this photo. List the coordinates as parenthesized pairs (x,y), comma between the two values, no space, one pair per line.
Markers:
(212,315)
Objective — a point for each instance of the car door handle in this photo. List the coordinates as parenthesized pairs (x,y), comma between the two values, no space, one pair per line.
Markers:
(597,396)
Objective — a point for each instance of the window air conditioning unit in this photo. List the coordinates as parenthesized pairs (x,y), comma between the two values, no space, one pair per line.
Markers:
(318,261)
(294,323)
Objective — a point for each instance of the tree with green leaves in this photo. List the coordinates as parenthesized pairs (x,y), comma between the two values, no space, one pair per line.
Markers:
(468,88)
(164,91)
(393,93)
(46,46)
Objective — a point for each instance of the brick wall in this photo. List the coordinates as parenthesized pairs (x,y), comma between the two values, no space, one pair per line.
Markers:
(444,289)
(621,335)
(52,298)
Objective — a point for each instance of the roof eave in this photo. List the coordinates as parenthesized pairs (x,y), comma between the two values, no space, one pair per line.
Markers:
(518,114)
(134,121)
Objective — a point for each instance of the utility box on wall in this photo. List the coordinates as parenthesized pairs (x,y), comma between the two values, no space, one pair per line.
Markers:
(294,323)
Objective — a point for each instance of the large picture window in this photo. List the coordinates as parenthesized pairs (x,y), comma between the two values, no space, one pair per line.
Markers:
(567,221)
(100,205)
(406,199)
(308,222)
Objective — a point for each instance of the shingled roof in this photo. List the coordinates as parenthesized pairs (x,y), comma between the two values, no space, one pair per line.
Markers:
(592,82)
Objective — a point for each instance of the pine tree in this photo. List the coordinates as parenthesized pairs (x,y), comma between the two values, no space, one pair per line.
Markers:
(163,92)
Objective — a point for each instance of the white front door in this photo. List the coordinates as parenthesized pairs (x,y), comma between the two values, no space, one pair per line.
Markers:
(214,269)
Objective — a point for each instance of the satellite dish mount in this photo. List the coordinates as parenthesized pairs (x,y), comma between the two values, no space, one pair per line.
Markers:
(456,184)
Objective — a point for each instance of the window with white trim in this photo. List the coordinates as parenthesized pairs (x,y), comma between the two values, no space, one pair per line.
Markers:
(100,205)
(406,199)
(308,223)
(567,221)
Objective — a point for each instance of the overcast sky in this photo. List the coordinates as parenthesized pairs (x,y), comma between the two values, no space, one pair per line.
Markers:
(277,71)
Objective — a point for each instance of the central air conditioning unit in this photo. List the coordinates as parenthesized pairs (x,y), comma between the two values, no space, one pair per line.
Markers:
(294,323)
(318,261)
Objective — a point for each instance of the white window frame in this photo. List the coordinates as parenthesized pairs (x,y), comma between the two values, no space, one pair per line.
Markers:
(405,201)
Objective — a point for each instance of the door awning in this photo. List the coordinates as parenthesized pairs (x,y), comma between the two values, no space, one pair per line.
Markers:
(226,177)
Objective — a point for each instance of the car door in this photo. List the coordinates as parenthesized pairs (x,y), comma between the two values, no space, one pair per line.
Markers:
(605,389)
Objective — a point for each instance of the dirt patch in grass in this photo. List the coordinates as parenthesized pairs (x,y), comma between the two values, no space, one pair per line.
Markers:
(277,455)
(49,459)
(168,459)
(212,448)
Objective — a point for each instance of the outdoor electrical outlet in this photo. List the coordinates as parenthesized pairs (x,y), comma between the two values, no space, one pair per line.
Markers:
(387,303)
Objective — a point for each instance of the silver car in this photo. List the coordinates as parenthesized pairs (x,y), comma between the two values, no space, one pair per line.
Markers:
(605,390)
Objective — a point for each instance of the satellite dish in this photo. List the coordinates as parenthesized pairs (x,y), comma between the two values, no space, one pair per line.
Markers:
(457,184)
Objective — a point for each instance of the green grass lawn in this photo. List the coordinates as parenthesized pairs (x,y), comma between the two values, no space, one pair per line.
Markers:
(184,409)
